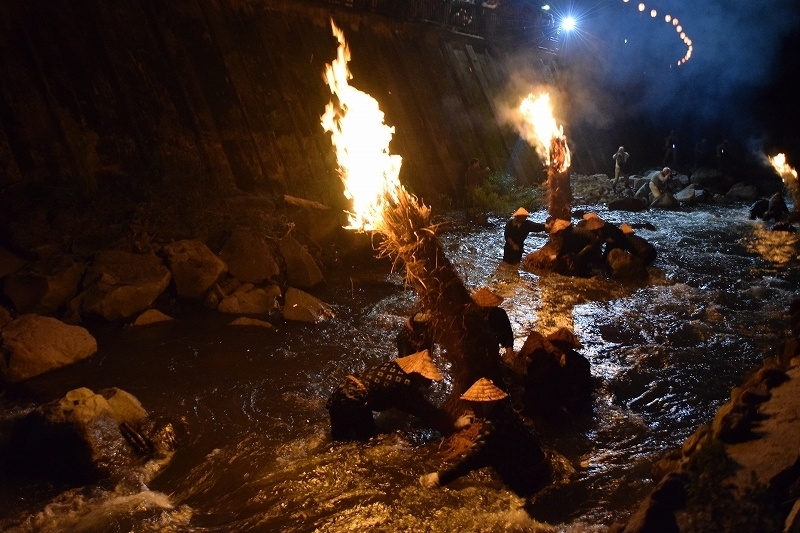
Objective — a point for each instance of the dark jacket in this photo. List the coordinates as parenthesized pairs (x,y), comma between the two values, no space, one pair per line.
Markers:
(506,444)
(379,388)
(517,234)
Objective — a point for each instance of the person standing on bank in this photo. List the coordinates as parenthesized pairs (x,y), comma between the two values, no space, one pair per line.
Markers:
(516,231)
(395,384)
(473,178)
(620,158)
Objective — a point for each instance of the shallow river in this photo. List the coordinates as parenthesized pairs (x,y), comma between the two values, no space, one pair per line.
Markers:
(254,451)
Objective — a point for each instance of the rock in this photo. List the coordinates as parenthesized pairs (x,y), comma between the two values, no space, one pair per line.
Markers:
(254,302)
(5,317)
(9,263)
(76,439)
(624,265)
(303,307)
(248,257)
(742,192)
(665,201)
(686,195)
(245,321)
(194,267)
(121,284)
(151,316)
(35,344)
(301,269)
(44,286)
(712,179)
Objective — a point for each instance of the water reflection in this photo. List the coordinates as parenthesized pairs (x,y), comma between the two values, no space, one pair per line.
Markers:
(258,457)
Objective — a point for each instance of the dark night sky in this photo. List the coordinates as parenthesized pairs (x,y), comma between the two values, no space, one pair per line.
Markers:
(738,83)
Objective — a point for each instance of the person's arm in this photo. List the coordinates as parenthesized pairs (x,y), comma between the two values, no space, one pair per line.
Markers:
(413,402)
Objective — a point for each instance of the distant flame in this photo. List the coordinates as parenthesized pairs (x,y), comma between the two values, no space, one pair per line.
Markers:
(787,174)
(540,129)
(361,139)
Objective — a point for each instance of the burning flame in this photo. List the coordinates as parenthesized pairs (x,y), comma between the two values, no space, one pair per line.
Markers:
(369,173)
(787,174)
(540,130)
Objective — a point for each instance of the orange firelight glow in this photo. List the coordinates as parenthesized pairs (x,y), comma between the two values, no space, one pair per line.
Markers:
(539,128)
(787,173)
(369,172)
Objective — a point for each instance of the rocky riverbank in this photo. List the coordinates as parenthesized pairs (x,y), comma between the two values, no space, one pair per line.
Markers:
(742,471)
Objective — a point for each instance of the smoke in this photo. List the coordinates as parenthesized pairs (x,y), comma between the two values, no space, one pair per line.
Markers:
(735,47)
(620,62)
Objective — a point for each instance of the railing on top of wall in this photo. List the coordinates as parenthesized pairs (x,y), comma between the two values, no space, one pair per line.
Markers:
(493,20)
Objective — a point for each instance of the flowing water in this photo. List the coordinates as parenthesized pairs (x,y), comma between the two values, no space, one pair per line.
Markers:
(254,452)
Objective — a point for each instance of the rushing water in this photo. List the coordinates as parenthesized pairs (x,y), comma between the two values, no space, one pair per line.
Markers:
(254,452)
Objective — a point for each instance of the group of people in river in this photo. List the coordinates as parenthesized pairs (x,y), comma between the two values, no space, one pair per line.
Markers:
(489,432)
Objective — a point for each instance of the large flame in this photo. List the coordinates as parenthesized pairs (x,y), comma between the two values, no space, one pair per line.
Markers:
(539,128)
(787,173)
(369,173)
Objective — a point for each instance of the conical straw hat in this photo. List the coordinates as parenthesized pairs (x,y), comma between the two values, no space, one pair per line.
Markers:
(521,212)
(593,223)
(486,298)
(626,229)
(483,390)
(421,363)
(566,336)
(560,224)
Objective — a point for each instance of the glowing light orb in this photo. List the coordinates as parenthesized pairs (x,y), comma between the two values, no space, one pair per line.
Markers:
(641,7)
(667,18)
(653,13)
(568,23)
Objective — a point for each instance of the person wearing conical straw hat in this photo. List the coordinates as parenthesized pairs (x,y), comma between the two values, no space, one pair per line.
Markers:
(416,335)
(516,231)
(610,235)
(503,442)
(395,384)
(496,318)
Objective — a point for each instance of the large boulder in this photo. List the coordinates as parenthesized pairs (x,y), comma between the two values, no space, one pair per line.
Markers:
(120,284)
(665,201)
(9,262)
(194,267)
(254,302)
(301,269)
(35,344)
(44,286)
(248,257)
(301,306)
(711,179)
(741,192)
(79,438)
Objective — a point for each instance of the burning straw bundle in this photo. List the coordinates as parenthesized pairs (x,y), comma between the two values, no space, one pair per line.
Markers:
(458,324)
(381,205)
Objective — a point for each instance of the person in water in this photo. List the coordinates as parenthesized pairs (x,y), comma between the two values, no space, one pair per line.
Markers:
(516,231)
(416,335)
(496,318)
(497,438)
(395,384)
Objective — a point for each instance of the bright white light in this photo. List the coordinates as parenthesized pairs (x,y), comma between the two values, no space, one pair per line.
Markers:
(653,13)
(641,7)
(568,23)
(546,7)
(667,18)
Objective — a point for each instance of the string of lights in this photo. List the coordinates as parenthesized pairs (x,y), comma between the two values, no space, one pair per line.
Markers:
(669,19)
